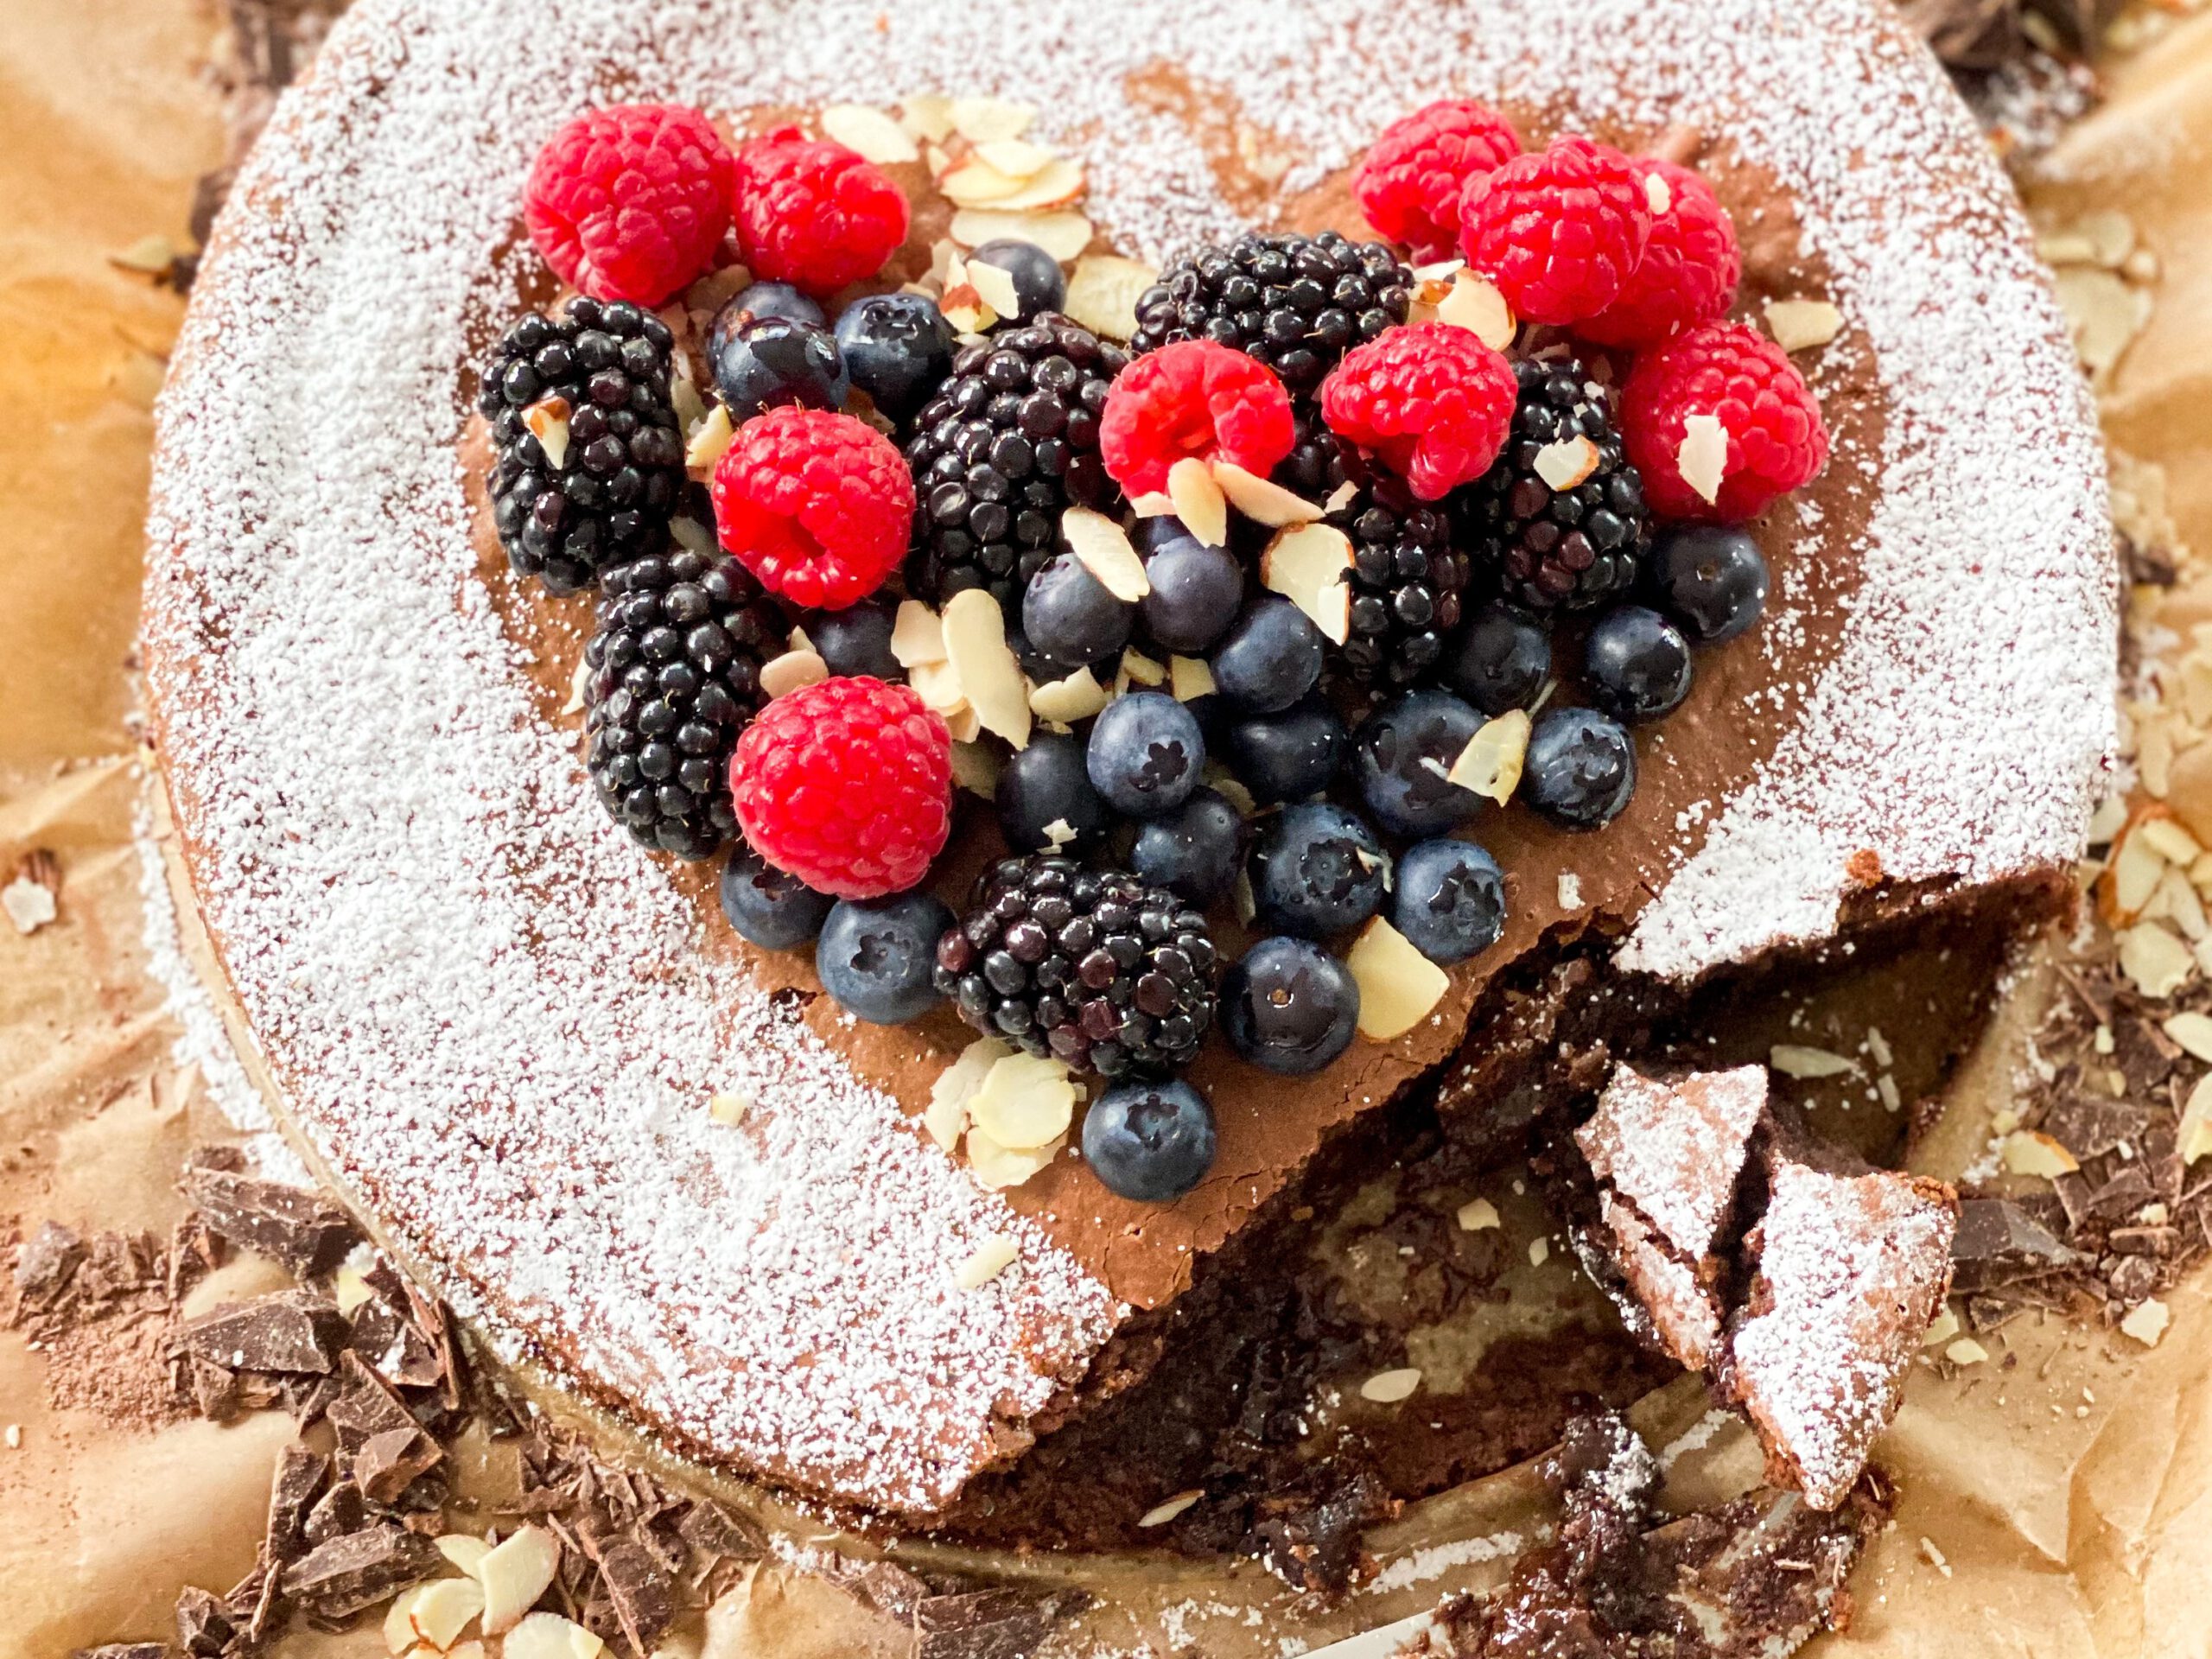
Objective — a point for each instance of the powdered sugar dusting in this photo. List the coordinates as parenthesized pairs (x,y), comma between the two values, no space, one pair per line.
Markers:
(1673,1150)
(486,1009)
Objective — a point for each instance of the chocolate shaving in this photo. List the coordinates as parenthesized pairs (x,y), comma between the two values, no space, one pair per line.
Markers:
(713,1531)
(127,1650)
(204,1627)
(388,1463)
(285,1330)
(300,1474)
(300,1231)
(639,1588)
(1997,1243)
(355,1572)
(337,1512)
(44,1268)
(998,1624)
(366,1406)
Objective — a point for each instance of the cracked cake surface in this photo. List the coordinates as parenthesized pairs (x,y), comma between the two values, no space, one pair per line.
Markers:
(495,1020)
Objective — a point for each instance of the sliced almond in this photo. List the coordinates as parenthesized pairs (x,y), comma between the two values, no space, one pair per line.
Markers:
(976,769)
(995,286)
(1261,499)
(1802,1060)
(703,450)
(2133,875)
(2193,1140)
(2155,960)
(1058,182)
(1140,670)
(939,685)
(1342,497)
(443,1609)
(1152,503)
(1388,1388)
(1474,303)
(975,183)
(1067,701)
(399,1633)
(781,676)
(1491,764)
(1799,325)
(1103,548)
(549,1635)
(1310,565)
(988,1259)
(464,1551)
(1016,157)
(548,421)
(962,725)
(1941,1330)
(1703,455)
(927,116)
(2170,840)
(1025,1101)
(1570,892)
(1567,463)
(692,536)
(1063,234)
(2147,1322)
(1161,1513)
(2028,1153)
(963,302)
(1965,1350)
(1103,290)
(1198,501)
(917,635)
(1477,1215)
(989,120)
(1398,986)
(514,1573)
(975,641)
(946,1116)
(2193,1031)
(876,136)
(1190,678)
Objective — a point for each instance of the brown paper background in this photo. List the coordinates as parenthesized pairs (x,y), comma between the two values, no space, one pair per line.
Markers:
(2065,1487)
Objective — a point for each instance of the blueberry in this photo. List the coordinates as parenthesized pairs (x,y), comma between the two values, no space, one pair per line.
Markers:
(875,956)
(1448,899)
(1196,590)
(1047,785)
(1289,1006)
(898,349)
(1191,852)
(1146,753)
(1317,870)
(1038,281)
(856,641)
(1637,663)
(764,362)
(770,300)
(1499,660)
(774,911)
(1150,1142)
(1401,754)
(1580,769)
(1289,756)
(1270,657)
(1070,619)
(1712,582)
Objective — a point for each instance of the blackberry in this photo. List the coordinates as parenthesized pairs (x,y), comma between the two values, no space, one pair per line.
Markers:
(1315,465)
(675,666)
(1006,444)
(1092,967)
(609,497)
(1567,548)
(1297,303)
(1408,582)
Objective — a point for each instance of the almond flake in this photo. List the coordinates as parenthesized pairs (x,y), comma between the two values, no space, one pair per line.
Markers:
(1566,464)
(705,446)
(1388,1388)
(875,135)
(684,394)
(976,769)
(2157,963)
(1702,457)
(1067,701)
(927,116)
(1016,157)
(1160,1514)
(1799,325)
(1261,499)
(917,635)
(1965,1350)
(399,1620)
(998,1167)
(1060,833)
(1198,501)
(1058,183)
(2193,1031)
(1063,234)
(1942,1330)
(939,686)
(1140,668)
(990,120)
(1477,1215)
(989,1259)
(975,643)
(548,421)
(692,536)
(1310,565)
(1152,503)
(2027,1153)
(514,1573)
(1570,891)
(1491,764)
(1474,303)
(1025,1101)
(1103,548)
(781,676)
(1539,1251)
(730,1106)
(349,1289)
(995,287)
(1798,1060)
(150,255)
(2133,876)
(549,1635)
(1226,784)
(1398,986)
(975,183)
(2193,1140)
(2170,840)
(1103,290)
(963,302)
(2147,1322)
(30,905)
(1190,678)
(1656,194)
(946,1116)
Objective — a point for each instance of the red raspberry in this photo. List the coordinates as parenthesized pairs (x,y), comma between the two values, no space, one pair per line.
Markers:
(1688,271)
(846,784)
(1559,231)
(816,503)
(1195,397)
(1410,181)
(814,214)
(630,202)
(1776,441)
(1431,399)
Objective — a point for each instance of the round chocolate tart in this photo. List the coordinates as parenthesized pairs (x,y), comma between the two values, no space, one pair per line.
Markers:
(661,1163)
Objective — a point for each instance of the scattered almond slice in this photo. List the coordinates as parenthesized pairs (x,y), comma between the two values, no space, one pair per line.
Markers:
(548,421)
(975,643)
(1570,891)
(2193,1031)
(729,1107)
(1656,194)
(1799,325)
(1190,678)
(976,769)
(962,725)
(2147,1322)
(30,905)
(1103,548)
(1943,1329)
(549,1635)
(2156,961)
(1567,463)
(1139,670)
(1965,1350)
(927,116)
(990,120)
(1388,1387)
(1161,1513)
(399,1633)
(1198,501)
(1703,455)
(1152,503)
(2170,840)
(1025,1101)
(2027,1153)
(975,183)
(1491,764)
(1016,157)
(1063,234)
(706,444)
(939,686)
(1261,499)
(2133,875)
(1477,1215)
(2193,1140)
(514,1573)
(917,635)
(1067,701)
(684,394)
(963,302)
(150,255)
(349,1288)
(1398,986)
(995,287)
(1800,1060)
(946,1116)
(988,1259)
(1474,303)
(1103,290)
(1058,182)
(781,676)
(1310,566)
(1342,497)
(692,536)
(876,136)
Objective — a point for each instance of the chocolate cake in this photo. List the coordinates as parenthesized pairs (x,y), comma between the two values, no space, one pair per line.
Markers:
(662,1165)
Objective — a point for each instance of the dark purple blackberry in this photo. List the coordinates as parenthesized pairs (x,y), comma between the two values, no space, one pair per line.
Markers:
(1314,469)
(1092,967)
(1008,443)
(1556,549)
(1408,582)
(674,676)
(607,498)
(1297,303)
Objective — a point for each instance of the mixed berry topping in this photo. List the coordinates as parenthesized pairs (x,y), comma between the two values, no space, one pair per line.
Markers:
(1243,631)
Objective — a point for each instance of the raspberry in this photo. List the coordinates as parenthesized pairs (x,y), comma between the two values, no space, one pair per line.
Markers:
(816,503)
(1193,397)
(1411,180)
(1558,231)
(846,784)
(1688,271)
(1431,399)
(813,213)
(1776,441)
(630,202)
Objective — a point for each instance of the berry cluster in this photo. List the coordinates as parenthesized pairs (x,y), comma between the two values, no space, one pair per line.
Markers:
(1269,607)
